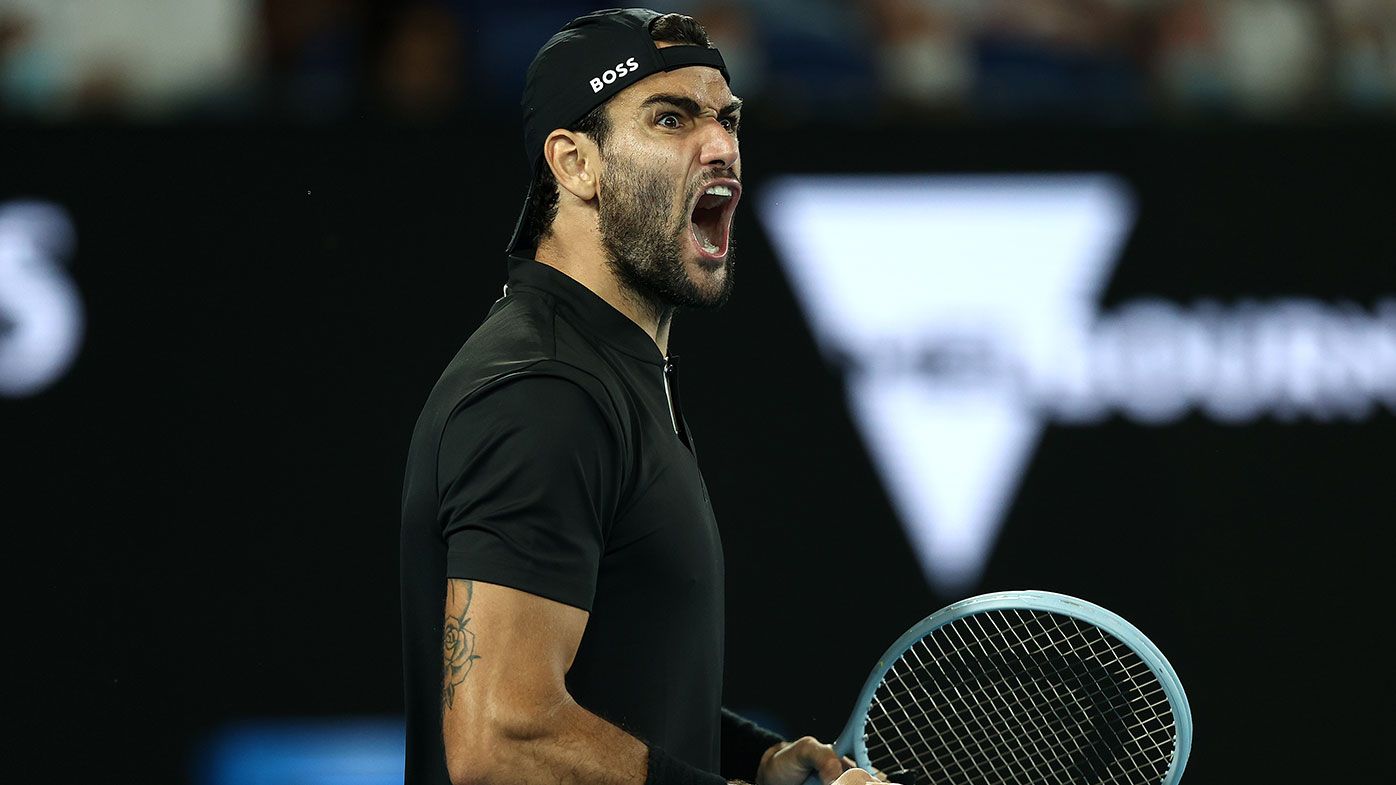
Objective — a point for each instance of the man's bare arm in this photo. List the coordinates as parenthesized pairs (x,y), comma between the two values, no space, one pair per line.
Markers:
(506,715)
(507,718)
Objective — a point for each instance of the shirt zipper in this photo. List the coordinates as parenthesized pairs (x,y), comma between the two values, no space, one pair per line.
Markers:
(671,393)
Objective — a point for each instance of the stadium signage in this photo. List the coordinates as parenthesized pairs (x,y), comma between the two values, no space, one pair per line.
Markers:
(994,328)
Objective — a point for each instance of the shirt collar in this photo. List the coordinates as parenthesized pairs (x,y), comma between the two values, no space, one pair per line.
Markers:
(596,315)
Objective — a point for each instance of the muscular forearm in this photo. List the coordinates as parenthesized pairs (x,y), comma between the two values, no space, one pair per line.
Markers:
(566,745)
(510,721)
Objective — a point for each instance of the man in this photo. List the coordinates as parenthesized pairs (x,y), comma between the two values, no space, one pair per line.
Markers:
(561,568)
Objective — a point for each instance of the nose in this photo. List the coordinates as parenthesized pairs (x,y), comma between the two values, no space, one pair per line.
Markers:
(719,146)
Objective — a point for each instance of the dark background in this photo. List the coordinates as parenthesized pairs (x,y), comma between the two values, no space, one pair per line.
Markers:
(202,516)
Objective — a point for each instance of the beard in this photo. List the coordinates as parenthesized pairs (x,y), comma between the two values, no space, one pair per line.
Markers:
(645,251)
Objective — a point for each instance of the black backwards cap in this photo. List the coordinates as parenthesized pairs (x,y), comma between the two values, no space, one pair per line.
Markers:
(590,60)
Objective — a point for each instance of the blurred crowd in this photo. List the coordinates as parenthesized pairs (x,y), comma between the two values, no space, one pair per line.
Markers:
(854,61)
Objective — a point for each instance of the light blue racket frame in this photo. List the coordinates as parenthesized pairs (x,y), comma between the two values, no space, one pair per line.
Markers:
(850,741)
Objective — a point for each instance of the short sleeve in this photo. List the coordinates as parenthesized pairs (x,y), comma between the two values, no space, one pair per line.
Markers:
(529,481)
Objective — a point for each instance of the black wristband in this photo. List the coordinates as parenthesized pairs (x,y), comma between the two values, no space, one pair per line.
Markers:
(743,744)
(665,769)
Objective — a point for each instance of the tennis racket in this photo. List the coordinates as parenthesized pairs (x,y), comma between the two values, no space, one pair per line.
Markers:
(1021,687)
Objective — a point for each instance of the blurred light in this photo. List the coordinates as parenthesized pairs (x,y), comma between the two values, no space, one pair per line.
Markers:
(964,314)
(361,751)
(41,315)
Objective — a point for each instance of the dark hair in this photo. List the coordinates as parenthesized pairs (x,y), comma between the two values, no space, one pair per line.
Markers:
(543,199)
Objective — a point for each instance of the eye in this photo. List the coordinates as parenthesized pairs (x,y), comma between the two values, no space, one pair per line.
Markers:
(669,120)
(731,124)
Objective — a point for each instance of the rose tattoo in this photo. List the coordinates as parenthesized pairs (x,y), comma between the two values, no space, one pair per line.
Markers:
(457,646)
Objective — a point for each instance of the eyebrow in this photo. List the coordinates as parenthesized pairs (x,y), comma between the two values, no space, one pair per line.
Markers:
(689,105)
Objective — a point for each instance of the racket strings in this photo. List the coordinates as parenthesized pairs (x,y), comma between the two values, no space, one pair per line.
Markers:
(1057,720)
(1115,702)
(938,696)
(996,757)
(1000,721)
(993,762)
(1020,697)
(944,654)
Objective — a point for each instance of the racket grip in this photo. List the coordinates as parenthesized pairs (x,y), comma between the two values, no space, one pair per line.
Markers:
(814,780)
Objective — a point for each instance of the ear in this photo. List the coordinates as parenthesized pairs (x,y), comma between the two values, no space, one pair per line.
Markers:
(575,162)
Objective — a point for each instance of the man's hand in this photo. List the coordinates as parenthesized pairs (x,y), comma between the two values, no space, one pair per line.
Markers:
(792,762)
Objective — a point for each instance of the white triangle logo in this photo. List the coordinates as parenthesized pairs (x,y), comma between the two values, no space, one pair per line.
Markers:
(939,295)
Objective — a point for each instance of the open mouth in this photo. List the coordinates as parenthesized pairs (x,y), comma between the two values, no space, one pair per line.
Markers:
(711,221)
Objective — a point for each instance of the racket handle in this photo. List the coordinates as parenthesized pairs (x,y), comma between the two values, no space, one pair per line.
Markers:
(814,780)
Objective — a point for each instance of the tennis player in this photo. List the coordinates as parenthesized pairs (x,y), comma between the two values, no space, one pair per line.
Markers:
(562,574)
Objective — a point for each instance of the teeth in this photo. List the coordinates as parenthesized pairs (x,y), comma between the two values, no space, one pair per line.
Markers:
(709,247)
(719,190)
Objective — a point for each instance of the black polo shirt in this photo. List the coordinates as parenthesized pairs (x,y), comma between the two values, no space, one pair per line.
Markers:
(552,457)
